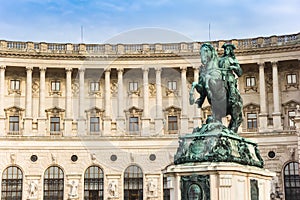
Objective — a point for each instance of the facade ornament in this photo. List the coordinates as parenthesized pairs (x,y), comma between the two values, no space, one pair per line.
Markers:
(32,189)
(152,187)
(13,158)
(152,89)
(73,184)
(114,87)
(113,188)
(75,87)
(53,158)
(35,87)
(93,157)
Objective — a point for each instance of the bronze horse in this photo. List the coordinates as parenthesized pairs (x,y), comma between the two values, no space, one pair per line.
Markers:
(212,86)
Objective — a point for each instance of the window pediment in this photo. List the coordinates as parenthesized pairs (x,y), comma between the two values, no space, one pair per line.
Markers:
(55,110)
(14,109)
(172,110)
(251,107)
(134,111)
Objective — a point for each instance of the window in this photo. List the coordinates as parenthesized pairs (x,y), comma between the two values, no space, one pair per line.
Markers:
(250,81)
(166,189)
(292,181)
(291,78)
(172,123)
(93,183)
(133,124)
(94,124)
(12,181)
(172,85)
(54,183)
(291,115)
(54,124)
(55,86)
(15,84)
(94,86)
(13,123)
(251,121)
(133,183)
(133,86)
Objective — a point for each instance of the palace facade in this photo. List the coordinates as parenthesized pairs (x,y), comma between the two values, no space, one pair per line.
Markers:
(102,121)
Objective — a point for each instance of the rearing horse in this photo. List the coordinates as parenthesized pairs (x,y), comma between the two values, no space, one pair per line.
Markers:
(212,86)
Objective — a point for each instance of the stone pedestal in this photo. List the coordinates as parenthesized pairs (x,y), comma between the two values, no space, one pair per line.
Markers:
(218,181)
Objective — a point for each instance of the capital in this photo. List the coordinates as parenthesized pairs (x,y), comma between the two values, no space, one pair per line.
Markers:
(68,69)
(158,69)
(81,69)
(42,69)
(183,68)
(261,64)
(29,68)
(145,69)
(274,63)
(107,70)
(2,66)
(120,69)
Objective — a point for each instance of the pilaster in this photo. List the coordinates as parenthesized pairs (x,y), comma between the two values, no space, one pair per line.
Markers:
(263,115)
(146,117)
(184,102)
(159,117)
(68,106)
(121,127)
(2,86)
(42,128)
(197,112)
(81,121)
(28,103)
(107,117)
(277,125)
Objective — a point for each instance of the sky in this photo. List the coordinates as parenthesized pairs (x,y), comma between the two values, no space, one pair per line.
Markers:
(145,21)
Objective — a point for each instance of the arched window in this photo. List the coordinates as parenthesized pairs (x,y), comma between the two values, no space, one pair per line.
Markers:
(54,183)
(93,183)
(12,180)
(133,183)
(292,181)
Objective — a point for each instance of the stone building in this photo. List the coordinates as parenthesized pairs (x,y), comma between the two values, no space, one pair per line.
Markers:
(79,121)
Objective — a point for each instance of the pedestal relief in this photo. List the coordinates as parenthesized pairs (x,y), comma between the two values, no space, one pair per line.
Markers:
(73,193)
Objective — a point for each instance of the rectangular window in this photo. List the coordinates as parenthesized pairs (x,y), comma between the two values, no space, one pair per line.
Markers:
(133,86)
(291,116)
(172,85)
(250,81)
(54,124)
(172,123)
(94,86)
(55,86)
(251,120)
(15,84)
(133,124)
(94,124)
(14,123)
(291,78)
(166,190)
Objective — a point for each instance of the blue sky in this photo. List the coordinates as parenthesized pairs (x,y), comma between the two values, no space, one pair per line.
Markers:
(149,21)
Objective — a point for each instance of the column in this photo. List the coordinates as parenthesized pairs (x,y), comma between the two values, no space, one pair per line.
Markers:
(297,124)
(107,116)
(197,111)
(2,113)
(276,114)
(42,128)
(184,102)
(263,115)
(81,116)
(28,102)
(146,117)
(121,128)
(159,116)
(68,102)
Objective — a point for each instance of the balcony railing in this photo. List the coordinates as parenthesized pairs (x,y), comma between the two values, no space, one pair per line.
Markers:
(110,49)
(14,133)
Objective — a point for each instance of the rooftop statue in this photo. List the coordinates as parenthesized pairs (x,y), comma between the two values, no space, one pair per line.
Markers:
(214,142)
